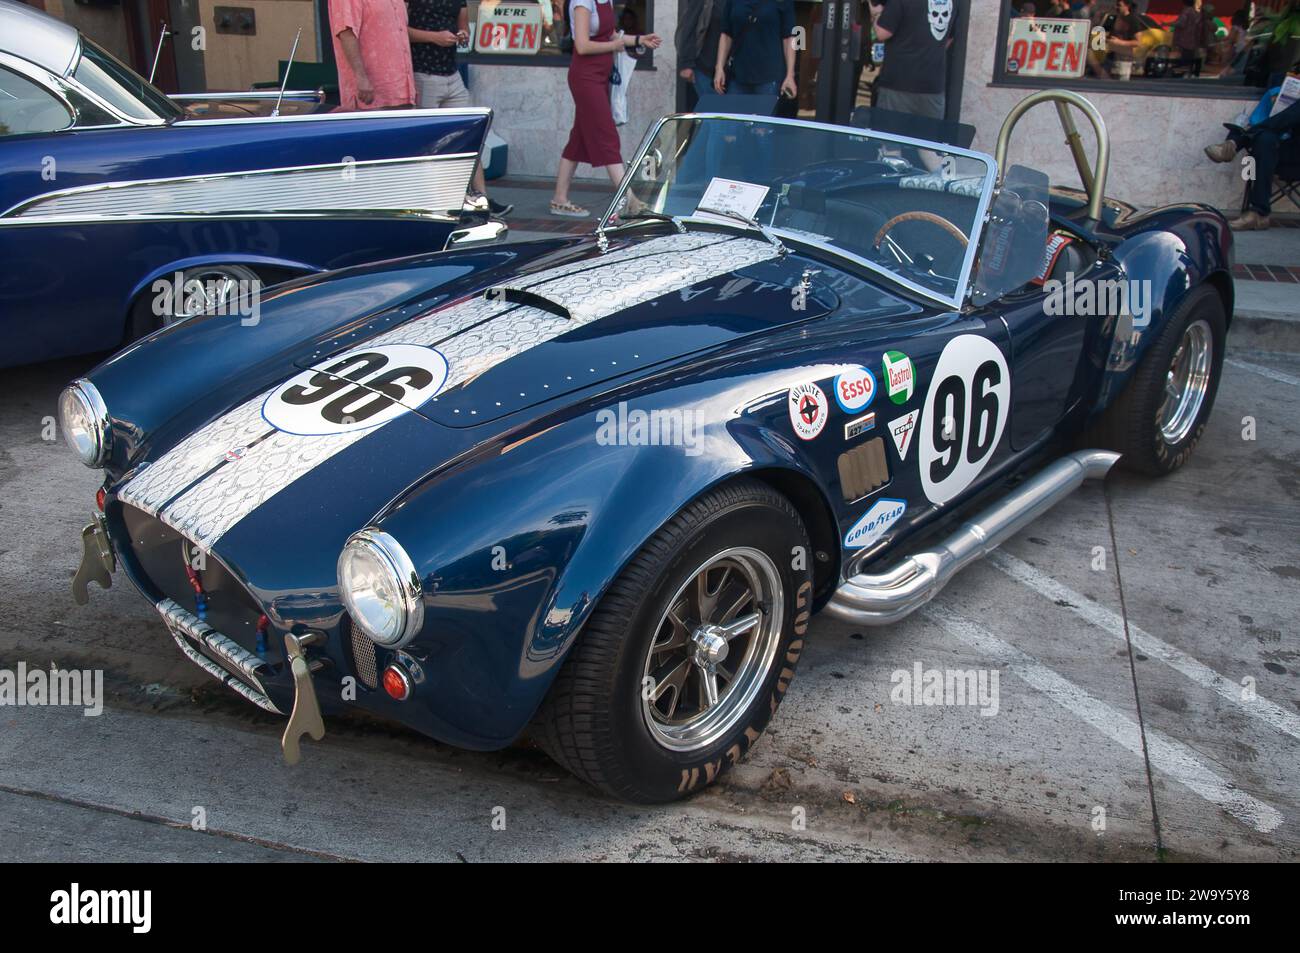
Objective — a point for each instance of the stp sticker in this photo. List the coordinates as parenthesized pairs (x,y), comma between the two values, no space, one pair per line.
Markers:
(900,376)
(901,428)
(807,406)
(854,389)
(883,514)
(357,390)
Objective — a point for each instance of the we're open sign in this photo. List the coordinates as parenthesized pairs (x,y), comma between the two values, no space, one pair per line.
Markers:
(1039,47)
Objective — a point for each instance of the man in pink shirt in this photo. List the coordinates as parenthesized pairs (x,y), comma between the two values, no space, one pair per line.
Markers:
(373,54)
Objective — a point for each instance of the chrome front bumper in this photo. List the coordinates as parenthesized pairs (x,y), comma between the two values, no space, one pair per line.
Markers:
(221,657)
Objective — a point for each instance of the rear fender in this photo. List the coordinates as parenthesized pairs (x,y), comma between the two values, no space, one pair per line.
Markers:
(1171,262)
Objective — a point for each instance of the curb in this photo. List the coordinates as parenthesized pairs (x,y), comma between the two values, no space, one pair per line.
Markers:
(1264,331)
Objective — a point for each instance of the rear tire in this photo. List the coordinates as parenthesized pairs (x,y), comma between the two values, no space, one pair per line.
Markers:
(631,711)
(1144,423)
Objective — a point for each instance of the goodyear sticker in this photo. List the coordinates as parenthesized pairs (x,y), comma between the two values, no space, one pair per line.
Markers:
(883,514)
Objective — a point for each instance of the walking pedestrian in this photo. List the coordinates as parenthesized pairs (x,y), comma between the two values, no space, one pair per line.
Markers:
(697,40)
(372,53)
(916,34)
(757,43)
(436,28)
(593,139)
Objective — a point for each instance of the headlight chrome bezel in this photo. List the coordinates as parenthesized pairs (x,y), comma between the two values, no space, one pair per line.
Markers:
(404,578)
(99,437)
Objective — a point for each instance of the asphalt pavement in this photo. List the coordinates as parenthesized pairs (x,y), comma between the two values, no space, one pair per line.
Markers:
(1143,637)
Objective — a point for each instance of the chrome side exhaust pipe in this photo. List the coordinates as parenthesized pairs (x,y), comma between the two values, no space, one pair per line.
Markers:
(882,598)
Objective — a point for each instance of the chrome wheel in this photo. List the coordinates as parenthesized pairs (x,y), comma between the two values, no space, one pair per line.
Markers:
(218,287)
(712,649)
(1186,383)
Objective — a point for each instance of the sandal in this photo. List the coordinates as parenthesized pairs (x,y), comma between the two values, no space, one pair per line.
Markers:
(568,210)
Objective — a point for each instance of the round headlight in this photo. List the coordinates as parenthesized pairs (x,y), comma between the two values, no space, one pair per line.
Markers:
(84,421)
(380,588)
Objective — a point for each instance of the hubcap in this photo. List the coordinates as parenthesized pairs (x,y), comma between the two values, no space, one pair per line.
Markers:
(1186,383)
(712,649)
(217,287)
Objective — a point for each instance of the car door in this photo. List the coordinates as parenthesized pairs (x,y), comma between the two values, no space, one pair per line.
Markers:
(1047,337)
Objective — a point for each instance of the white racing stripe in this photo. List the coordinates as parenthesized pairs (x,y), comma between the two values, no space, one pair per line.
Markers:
(1088,610)
(190,488)
(1169,757)
(1268,372)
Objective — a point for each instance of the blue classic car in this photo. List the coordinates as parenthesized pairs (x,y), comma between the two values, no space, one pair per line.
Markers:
(121,209)
(591,489)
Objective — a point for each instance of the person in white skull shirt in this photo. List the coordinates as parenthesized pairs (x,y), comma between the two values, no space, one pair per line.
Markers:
(916,34)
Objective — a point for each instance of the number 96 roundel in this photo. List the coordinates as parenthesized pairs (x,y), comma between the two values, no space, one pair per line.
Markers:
(357,390)
(965,412)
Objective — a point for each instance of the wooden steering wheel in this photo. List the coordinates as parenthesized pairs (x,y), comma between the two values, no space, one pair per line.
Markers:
(930,217)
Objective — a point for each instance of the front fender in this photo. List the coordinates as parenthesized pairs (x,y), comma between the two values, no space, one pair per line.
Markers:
(168,270)
(1172,255)
(518,545)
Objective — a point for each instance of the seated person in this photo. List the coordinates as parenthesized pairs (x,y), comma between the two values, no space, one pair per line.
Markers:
(1262,138)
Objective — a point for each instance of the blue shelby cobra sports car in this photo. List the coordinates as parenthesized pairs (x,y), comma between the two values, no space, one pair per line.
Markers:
(592,489)
(114,198)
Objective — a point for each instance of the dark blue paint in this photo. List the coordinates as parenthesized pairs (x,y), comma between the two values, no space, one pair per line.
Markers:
(530,476)
(68,289)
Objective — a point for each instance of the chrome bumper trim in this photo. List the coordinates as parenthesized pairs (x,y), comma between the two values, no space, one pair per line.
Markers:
(241,670)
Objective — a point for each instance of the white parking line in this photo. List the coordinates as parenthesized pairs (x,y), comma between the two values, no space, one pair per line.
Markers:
(1279,376)
(1146,643)
(1167,756)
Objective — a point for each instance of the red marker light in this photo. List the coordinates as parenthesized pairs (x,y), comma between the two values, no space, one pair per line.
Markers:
(100,497)
(397,683)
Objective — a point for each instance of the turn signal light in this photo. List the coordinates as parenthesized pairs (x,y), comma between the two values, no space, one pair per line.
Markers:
(100,497)
(397,683)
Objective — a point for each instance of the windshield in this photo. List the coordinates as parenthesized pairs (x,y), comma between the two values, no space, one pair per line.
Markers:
(124,89)
(896,205)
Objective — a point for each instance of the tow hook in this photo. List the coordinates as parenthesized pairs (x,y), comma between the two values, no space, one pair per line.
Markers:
(98,561)
(306,717)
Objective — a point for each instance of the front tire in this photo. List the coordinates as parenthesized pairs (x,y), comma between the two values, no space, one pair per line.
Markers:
(1158,420)
(689,653)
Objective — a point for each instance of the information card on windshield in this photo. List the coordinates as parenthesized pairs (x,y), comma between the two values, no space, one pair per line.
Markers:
(728,195)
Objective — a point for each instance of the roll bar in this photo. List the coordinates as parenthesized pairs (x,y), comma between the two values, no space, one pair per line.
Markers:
(1094,179)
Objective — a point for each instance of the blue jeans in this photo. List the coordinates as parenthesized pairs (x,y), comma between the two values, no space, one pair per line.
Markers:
(737,88)
(703,84)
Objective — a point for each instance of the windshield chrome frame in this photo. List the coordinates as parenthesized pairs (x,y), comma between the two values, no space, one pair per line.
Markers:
(957,301)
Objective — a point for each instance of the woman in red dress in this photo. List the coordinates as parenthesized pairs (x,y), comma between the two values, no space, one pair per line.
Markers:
(593,139)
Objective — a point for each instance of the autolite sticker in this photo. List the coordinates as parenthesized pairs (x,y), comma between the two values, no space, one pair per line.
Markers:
(900,376)
(883,514)
(854,389)
(807,406)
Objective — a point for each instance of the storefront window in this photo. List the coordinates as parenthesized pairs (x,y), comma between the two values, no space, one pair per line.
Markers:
(520,32)
(1196,47)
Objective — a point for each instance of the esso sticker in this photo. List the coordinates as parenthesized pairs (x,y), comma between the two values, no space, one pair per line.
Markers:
(854,389)
(883,514)
(807,406)
(357,390)
(965,413)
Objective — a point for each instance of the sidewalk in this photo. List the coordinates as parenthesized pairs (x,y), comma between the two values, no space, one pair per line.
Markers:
(531,197)
(1267,279)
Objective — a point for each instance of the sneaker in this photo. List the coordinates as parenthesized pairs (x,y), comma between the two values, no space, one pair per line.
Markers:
(499,209)
(476,201)
(1224,151)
